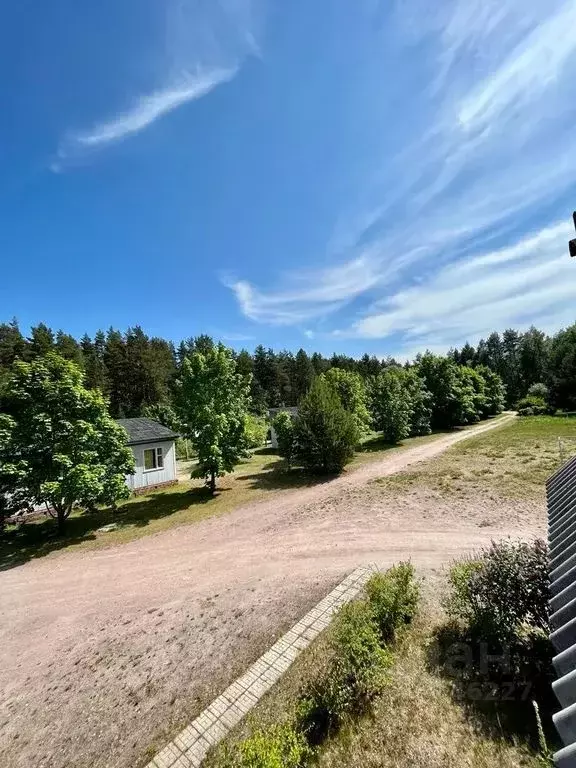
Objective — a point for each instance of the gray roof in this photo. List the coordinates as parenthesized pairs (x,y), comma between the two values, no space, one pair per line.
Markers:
(561,497)
(142,430)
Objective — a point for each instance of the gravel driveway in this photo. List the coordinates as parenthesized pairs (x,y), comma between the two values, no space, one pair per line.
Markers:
(103,654)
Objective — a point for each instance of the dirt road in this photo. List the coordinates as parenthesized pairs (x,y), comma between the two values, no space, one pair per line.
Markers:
(102,654)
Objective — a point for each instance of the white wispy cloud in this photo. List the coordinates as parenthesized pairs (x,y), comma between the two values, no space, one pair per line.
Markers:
(201,47)
(310,294)
(150,107)
(469,298)
(497,143)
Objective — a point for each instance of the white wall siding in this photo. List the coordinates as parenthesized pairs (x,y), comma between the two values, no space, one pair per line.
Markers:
(144,478)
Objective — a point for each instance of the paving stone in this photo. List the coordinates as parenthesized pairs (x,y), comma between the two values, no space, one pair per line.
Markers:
(191,745)
(182,762)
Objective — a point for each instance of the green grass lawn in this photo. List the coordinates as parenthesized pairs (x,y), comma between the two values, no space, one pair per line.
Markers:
(512,462)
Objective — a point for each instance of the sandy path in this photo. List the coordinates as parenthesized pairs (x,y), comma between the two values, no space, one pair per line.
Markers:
(102,653)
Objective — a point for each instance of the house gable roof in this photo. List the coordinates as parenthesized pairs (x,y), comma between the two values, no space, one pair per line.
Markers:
(143,430)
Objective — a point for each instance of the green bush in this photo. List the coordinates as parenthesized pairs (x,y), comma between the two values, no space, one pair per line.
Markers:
(539,390)
(256,431)
(283,424)
(393,597)
(502,594)
(278,747)
(532,405)
(357,672)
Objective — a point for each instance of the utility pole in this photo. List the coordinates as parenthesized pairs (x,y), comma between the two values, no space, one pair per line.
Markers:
(572,243)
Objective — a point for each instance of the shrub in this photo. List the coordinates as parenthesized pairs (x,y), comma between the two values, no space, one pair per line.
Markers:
(283,424)
(325,433)
(256,431)
(278,747)
(357,672)
(532,405)
(539,390)
(503,594)
(393,597)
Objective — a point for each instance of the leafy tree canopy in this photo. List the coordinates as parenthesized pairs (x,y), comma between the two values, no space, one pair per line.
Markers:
(212,402)
(58,444)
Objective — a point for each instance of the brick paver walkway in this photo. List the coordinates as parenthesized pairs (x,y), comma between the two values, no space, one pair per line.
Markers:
(191,745)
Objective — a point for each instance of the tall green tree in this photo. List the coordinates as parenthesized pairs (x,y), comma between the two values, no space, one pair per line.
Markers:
(12,344)
(391,404)
(266,375)
(325,433)
(562,369)
(41,341)
(420,402)
(352,392)
(303,374)
(533,357)
(95,374)
(68,348)
(118,374)
(440,376)
(494,391)
(213,402)
(58,445)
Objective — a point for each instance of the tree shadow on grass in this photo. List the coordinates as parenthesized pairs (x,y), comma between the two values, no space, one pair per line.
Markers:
(39,538)
(495,689)
(276,476)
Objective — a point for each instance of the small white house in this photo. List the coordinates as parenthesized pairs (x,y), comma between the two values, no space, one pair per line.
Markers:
(293,410)
(154,449)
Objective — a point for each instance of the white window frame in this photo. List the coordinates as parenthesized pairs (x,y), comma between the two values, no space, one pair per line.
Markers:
(158,454)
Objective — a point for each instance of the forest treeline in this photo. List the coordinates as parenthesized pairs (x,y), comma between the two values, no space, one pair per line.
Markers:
(136,371)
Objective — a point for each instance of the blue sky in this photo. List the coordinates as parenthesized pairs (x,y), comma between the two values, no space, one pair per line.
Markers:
(343,176)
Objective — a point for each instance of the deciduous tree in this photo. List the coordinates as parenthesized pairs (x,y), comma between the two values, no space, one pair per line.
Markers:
(58,445)
(213,400)
(351,390)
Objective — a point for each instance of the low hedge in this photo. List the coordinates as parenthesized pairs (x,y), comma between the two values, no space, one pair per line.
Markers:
(360,638)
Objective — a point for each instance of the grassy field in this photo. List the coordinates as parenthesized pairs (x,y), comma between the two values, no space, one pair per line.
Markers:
(417,722)
(186,503)
(512,462)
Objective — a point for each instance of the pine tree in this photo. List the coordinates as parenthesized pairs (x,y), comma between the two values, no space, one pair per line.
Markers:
(68,348)
(325,433)
(303,374)
(41,341)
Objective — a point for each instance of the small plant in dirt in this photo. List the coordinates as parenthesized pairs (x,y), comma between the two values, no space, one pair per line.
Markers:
(393,597)
(280,746)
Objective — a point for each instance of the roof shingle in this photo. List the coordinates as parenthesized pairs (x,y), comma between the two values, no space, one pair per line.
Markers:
(143,430)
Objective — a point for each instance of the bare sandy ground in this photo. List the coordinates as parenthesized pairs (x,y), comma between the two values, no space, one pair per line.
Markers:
(103,654)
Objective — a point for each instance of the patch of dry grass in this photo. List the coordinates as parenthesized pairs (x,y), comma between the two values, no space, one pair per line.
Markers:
(417,722)
(511,462)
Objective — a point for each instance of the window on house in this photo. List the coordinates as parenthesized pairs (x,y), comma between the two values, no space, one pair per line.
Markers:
(153,459)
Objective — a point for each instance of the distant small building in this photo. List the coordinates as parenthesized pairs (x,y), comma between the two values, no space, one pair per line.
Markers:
(293,410)
(154,449)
